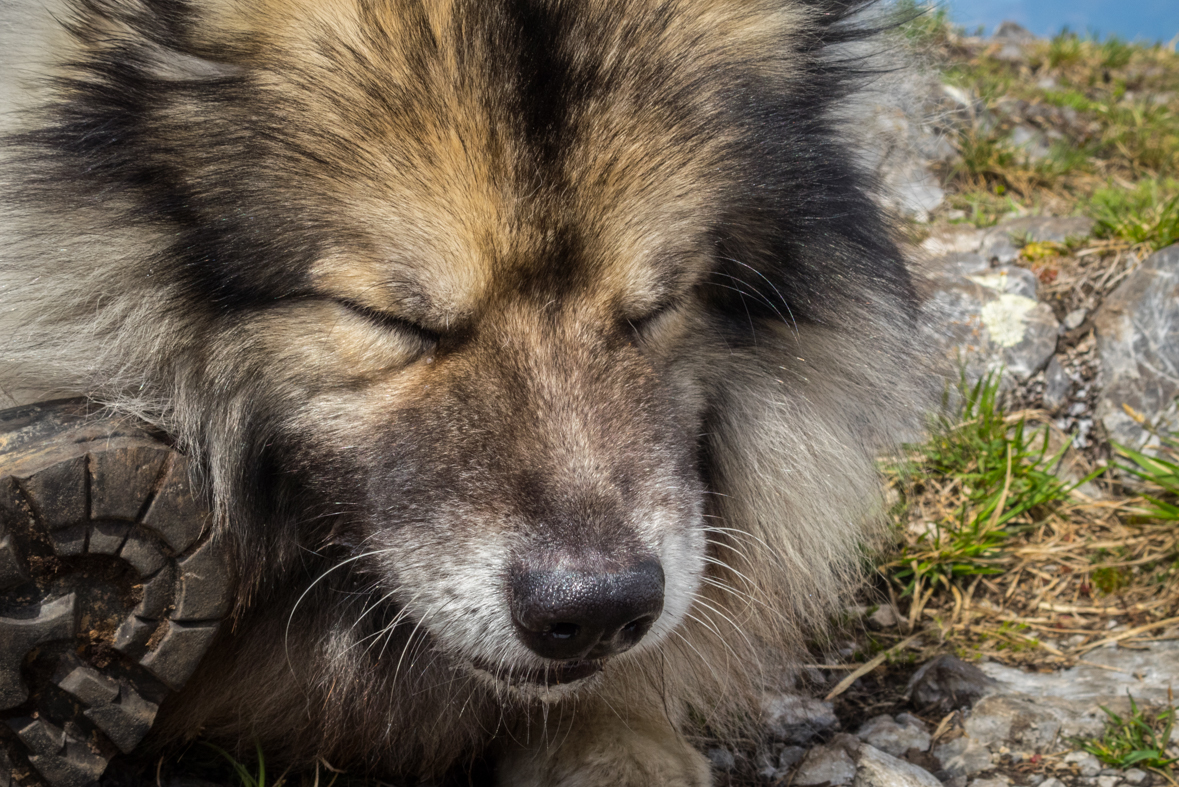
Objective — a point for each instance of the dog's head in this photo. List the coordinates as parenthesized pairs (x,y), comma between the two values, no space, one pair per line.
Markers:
(444,288)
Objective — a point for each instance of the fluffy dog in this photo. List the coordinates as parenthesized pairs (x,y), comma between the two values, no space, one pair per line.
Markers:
(534,352)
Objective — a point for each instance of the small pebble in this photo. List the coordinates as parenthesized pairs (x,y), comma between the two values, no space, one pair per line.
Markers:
(722,759)
(1134,776)
(1088,764)
(1075,318)
(790,756)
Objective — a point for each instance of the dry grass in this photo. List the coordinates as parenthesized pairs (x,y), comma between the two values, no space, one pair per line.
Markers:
(1064,576)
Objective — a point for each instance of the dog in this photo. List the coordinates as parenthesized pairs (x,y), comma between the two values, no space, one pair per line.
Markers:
(534,354)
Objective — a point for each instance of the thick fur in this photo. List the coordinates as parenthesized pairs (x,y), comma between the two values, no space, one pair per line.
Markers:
(432,286)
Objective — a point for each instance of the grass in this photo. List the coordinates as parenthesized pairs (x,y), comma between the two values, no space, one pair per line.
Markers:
(1145,215)
(245,777)
(1140,740)
(1159,472)
(995,555)
(1109,109)
(923,25)
(1000,472)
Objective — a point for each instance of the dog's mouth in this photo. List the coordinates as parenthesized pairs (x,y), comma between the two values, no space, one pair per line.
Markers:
(557,674)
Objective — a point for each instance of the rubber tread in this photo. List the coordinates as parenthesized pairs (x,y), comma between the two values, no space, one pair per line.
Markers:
(111,589)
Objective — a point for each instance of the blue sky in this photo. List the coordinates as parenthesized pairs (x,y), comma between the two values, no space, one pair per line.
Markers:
(1151,20)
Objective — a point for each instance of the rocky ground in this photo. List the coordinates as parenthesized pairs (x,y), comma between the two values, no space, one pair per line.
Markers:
(1029,272)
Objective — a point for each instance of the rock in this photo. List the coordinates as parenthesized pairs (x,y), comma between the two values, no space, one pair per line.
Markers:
(947,681)
(1108,781)
(796,719)
(722,760)
(1138,342)
(831,764)
(898,148)
(790,756)
(909,720)
(1052,782)
(1031,141)
(1057,385)
(1075,319)
(1008,279)
(963,757)
(885,618)
(885,734)
(878,769)
(1014,32)
(1047,229)
(997,246)
(916,191)
(1134,776)
(1085,762)
(1014,720)
(1073,696)
(996,782)
(954,239)
(953,265)
(985,328)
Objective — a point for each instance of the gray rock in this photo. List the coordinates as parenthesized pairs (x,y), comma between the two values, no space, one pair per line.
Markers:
(916,191)
(898,148)
(1073,696)
(963,757)
(986,329)
(1134,776)
(1008,279)
(1108,781)
(1138,341)
(1057,385)
(953,265)
(1030,141)
(995,782)
(886,617)
(796,719)
(790,756)
(948,681)
(1052,781)
(878,769)
(997,246)
(722,760)
(1085,762)
(1075,319)
(1013,31)
(831,764)
(954,239)
(909,720)
(1051,229)
(885,734)
(1015,721)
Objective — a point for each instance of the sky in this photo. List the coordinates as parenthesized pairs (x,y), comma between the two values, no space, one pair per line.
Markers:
(1149,20)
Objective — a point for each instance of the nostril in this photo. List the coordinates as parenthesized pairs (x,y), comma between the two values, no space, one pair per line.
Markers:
(564,631)
(634,631)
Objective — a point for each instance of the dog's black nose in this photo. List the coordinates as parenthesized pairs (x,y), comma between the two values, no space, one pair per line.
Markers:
(569,614)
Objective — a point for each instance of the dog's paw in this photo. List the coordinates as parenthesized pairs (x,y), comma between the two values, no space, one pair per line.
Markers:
(603,751)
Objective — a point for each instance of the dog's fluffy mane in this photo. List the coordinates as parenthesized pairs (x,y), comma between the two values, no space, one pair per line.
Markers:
(112,273)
